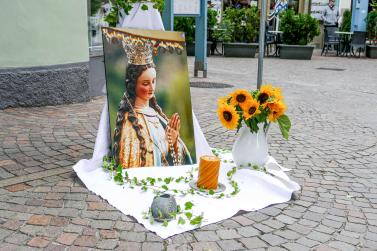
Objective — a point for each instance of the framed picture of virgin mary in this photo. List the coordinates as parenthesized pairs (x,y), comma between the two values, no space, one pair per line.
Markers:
(149,99)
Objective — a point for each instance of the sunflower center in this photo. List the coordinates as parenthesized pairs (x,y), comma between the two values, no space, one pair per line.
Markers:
(240,98)
(263,97)
(227,116)
(252,110)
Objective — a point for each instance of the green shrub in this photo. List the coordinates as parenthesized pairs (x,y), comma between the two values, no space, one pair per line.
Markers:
(298,29)
(186,25)
(371,21)
(245,23)
(346,23)
(224,31)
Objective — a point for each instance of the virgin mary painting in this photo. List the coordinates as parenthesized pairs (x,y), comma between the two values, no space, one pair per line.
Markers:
(144,135)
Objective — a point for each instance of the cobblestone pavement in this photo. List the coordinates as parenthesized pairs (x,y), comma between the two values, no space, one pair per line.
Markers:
(332,151)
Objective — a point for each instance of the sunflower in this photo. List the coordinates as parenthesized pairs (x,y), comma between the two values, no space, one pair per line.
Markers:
(277,94)
(223,100)
(228,116)
(276,110)
(266,92)
(240,96)
(250,108)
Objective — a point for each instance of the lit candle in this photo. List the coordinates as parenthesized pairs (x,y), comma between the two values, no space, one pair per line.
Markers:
(208,172)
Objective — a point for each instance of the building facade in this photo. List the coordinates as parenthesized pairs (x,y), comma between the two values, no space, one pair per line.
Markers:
(43,52)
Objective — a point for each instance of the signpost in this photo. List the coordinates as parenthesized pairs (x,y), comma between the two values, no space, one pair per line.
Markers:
(191,8)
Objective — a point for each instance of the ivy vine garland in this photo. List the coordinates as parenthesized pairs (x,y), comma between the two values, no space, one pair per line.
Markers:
(161,185)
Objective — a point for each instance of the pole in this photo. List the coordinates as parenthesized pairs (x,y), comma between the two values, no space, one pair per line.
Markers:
(168,15)
(201,41)
(262,30)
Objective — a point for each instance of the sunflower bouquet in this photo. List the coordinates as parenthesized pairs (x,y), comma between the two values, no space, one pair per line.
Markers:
(260,106)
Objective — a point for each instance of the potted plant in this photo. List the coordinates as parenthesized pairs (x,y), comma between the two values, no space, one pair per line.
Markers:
(298,31)
(245,27)
(371,20)
(187,25)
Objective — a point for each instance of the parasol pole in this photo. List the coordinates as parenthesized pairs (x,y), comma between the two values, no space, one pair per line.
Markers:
(262,30)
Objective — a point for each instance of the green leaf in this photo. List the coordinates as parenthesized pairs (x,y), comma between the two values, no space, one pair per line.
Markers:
(144,7)
(160,216)
(188,215)
(178,208)
(165,223)
(284,125)
(165,187)
(188,205)
(197,220)
(211,192)
(181,221)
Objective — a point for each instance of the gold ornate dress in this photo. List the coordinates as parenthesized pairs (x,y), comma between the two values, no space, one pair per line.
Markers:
(153,131)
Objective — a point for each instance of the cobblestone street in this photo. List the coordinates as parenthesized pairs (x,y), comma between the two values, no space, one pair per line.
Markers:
(332,151)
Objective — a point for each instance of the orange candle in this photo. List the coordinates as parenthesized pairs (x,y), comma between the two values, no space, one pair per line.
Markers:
(208,172)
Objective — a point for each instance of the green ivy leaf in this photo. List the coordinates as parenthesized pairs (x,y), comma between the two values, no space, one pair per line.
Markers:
(188,205)
(284,125)
(188,215)
(165,223)
(165,187)
(144,7)
(181,221)
(197,220)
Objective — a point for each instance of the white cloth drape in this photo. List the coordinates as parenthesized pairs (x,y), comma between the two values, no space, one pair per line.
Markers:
(257,189)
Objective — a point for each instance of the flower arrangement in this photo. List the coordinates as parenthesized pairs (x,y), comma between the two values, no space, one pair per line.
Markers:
(259,106)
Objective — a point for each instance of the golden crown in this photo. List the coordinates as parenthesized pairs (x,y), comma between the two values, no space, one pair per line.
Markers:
(139,49)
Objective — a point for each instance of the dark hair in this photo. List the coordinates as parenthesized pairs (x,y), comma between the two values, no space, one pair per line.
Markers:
(126,105)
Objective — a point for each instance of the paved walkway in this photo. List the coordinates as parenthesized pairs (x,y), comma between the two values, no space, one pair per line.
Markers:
(332,151)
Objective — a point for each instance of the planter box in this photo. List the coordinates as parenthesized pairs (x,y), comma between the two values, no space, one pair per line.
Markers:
(190,48)
(371,51)
(245,50)
(303,52)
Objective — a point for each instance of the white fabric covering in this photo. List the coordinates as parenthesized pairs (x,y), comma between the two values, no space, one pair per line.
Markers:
(257,189)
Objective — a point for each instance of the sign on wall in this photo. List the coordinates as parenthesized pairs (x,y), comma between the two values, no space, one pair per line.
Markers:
(317,8)
(186,7)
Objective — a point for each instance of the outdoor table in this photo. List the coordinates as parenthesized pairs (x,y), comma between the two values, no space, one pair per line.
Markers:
(346,40)
(277,34)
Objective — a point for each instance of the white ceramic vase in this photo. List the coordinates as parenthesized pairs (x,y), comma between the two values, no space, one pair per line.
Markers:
(250,147)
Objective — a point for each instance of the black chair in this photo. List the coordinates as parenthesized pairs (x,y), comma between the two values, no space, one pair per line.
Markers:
(358,42)
(331,39)
(270,40)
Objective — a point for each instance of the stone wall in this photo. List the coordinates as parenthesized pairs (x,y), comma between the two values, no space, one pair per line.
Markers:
(41,86)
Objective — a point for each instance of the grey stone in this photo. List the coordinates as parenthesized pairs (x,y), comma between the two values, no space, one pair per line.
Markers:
(317,236)
(200,246)
(295,247)
(107,244)
(248,231)
(228,234)
(272,239)
(132,236)
(152,246)
(230,245)
(253,242)
(206,236)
